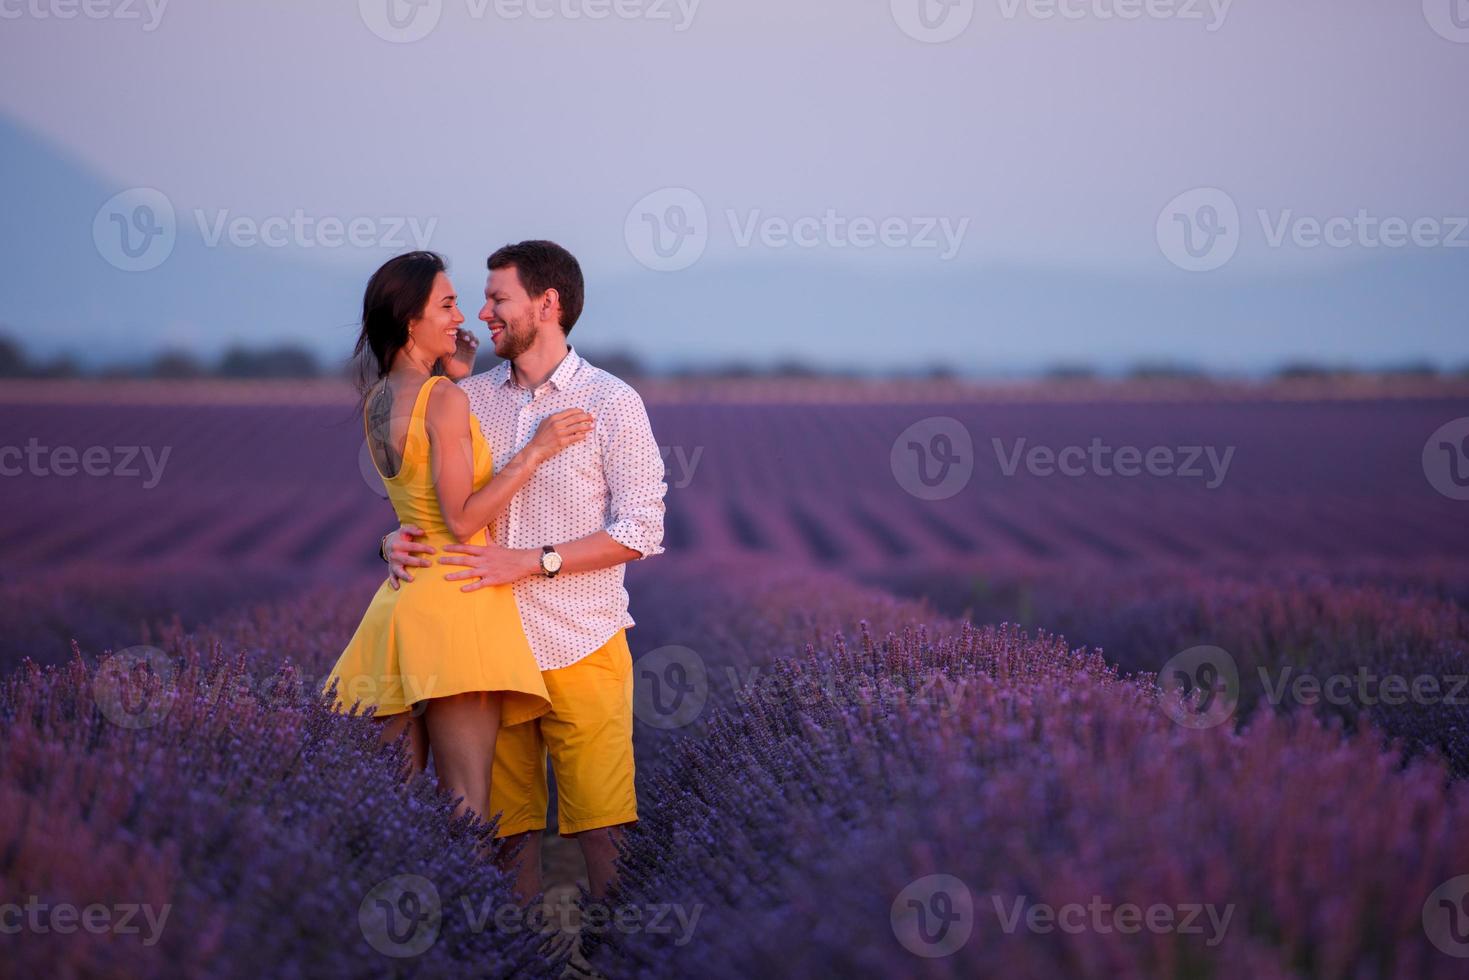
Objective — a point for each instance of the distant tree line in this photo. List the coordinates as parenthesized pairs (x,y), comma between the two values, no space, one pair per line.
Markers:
(290,361)
(282,361)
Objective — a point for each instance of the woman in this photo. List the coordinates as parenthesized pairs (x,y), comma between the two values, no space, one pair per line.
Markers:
(450,667)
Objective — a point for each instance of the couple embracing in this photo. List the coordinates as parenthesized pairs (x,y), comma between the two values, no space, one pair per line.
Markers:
(521,492)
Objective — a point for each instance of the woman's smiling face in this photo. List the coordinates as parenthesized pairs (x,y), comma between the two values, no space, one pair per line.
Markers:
(436,330)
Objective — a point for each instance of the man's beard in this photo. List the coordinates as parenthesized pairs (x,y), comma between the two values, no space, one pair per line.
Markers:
(516,340)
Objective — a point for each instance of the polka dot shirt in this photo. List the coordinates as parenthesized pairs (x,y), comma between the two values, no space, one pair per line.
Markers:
(612,481)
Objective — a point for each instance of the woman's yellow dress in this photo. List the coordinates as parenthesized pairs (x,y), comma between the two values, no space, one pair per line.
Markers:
(428,639)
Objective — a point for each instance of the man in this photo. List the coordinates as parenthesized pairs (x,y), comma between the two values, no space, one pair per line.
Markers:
(562,543)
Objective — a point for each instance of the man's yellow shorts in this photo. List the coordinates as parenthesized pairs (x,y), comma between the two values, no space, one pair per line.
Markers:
(588,734)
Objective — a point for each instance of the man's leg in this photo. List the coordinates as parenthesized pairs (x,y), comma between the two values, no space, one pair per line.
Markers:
(589,739)
(599,847)
(518,793)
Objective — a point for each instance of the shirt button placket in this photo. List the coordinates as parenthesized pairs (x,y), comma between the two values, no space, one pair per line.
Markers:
(522,437)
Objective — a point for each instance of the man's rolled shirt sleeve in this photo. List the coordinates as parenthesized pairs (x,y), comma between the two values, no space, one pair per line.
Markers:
(635,475)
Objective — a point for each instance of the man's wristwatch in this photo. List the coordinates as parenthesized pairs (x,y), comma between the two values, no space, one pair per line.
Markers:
(382,547)
(550,561)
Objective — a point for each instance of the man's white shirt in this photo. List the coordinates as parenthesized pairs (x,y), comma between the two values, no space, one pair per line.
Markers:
(613,481)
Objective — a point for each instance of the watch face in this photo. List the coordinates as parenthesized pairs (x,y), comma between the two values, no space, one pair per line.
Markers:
(551,561)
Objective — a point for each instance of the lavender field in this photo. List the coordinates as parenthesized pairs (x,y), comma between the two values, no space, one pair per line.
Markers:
(1131,680)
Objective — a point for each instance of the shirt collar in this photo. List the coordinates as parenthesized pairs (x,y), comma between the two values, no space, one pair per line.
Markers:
(500,374)
(560,378)
(566,370)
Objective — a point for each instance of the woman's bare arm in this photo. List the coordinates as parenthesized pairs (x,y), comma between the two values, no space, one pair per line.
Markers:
(466,510)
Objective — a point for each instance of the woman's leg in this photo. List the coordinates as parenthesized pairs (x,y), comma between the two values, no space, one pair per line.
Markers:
(390,727)
(461,734)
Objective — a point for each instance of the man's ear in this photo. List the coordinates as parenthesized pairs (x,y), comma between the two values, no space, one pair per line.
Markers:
(551,305)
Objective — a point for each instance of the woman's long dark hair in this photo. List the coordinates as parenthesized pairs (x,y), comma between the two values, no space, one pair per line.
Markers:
(396,294)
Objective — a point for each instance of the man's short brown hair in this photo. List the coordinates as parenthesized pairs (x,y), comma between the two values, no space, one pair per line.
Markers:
(544,265)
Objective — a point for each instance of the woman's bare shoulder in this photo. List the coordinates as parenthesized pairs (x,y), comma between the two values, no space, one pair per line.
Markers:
(447,397)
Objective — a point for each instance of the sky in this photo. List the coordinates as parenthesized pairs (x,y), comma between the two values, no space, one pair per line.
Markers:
(993,185)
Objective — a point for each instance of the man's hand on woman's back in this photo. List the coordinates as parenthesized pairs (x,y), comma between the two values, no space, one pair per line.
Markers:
(402,553)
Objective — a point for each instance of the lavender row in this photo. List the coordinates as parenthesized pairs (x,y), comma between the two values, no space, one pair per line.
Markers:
(1029,832)
(166,814)
(1389,643)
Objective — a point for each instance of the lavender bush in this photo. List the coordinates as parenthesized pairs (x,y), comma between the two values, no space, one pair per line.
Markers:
(263,834)
(821,784)
(796,825)
(739,618)
(107,608)
(1344,629)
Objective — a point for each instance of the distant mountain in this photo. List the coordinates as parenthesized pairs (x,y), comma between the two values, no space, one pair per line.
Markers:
(1384,312)
(63,295)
